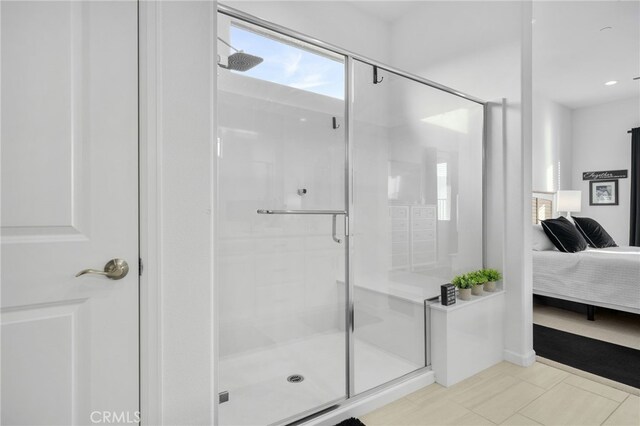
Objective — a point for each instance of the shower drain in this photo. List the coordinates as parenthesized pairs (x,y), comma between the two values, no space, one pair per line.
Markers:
(295,378)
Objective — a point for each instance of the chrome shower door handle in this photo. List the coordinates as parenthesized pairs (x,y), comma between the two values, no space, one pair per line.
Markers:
(333,229)
(115,269)
(334,214)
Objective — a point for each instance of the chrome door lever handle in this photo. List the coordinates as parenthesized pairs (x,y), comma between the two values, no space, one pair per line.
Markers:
(115,269)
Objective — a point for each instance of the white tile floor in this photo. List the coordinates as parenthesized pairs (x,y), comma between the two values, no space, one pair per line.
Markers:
(510,395)
(260,394)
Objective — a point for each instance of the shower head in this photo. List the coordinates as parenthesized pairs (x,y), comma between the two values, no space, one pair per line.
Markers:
(240,61)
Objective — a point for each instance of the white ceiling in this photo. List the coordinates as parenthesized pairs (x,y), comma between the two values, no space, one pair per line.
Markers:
(387,11)
(573,58)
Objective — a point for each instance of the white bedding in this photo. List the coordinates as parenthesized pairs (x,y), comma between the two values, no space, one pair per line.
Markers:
(603,277)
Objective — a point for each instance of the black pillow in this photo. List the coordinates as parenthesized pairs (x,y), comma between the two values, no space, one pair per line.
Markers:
(564,235)
(593,232)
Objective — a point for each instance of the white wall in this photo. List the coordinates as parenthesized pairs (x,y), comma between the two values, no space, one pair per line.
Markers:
(601,142)
(275,140)
(551,145)
(335,22)
(177,133)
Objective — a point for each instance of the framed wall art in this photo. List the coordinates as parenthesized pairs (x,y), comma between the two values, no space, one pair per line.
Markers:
(603,192)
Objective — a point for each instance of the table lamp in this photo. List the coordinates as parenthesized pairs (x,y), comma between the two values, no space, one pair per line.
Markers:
(568,201)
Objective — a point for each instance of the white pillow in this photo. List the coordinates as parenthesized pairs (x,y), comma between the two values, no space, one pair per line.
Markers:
(540,241)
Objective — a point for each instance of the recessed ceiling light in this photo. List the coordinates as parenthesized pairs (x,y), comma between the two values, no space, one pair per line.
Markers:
(611,83)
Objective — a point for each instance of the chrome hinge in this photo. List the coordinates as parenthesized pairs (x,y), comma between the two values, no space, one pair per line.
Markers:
(140,266)
(223,397)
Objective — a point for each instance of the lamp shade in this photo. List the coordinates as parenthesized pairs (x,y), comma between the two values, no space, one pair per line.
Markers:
(568,201)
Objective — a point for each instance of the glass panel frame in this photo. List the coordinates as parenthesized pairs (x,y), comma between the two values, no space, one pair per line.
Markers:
(348,224)
(406,130)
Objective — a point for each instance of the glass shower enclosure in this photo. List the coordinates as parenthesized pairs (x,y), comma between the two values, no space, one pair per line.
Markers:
(345,192)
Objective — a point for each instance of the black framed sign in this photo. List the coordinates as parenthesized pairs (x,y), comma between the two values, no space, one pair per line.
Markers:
(603,192)
(605,175)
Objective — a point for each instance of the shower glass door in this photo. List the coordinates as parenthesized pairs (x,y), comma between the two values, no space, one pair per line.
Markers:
(281,205)
(417,214)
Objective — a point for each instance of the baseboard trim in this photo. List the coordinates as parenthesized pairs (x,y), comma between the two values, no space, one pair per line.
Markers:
(359,406)
(523,360)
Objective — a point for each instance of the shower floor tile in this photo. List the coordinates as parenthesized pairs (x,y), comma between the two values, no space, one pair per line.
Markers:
(260,394)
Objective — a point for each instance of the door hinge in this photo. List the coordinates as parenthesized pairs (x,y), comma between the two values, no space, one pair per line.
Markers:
(223,397)
(140,266)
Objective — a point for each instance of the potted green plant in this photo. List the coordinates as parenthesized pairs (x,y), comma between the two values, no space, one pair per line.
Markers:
(478,279)
(464,284)
(492,276)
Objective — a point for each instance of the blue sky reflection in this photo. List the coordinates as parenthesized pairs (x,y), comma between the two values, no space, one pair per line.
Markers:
(290,66)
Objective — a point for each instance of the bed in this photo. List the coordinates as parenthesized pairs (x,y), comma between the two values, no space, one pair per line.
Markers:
(608,277)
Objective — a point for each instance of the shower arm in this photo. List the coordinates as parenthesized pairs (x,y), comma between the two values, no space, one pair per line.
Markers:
(228,44)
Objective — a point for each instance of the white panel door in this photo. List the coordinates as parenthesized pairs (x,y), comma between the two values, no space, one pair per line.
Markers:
(69,202)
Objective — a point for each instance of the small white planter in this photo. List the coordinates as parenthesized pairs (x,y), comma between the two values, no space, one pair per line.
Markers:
(476,290)
(490,286)
(464,293)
